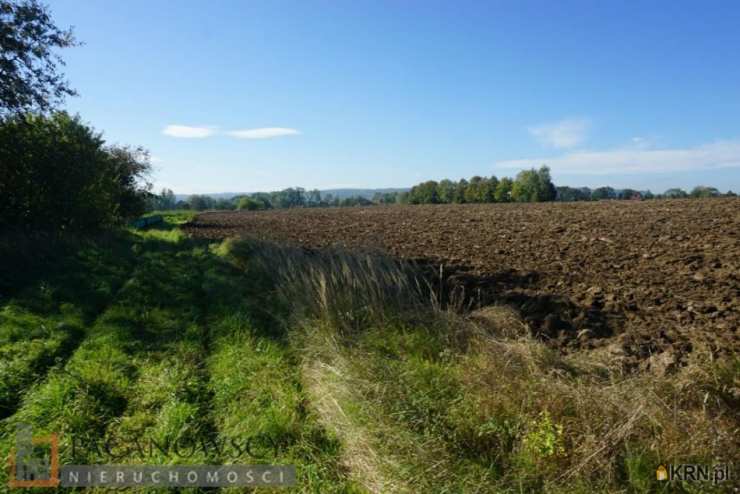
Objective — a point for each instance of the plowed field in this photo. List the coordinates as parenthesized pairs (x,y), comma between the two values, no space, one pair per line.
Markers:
(649,281)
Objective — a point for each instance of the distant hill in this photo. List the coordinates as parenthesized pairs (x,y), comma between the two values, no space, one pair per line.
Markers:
(340,193)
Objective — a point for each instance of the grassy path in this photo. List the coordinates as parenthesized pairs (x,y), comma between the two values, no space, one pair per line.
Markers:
(258,398)
(182,361)
(44,322)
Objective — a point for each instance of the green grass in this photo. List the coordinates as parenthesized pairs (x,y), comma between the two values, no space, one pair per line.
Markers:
(340,364)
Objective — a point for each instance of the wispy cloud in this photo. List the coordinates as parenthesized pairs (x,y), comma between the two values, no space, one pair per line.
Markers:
(564,134)
(187,132)
(263,133)
(718,154)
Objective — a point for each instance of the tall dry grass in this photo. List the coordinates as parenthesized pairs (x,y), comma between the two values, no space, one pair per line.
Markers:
(351,290)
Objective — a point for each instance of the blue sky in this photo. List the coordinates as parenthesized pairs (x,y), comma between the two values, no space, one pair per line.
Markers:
(246,96)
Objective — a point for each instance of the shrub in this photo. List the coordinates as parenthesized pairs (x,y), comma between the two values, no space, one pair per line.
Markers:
(57,174)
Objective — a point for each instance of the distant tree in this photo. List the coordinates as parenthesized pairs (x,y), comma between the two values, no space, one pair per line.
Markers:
(602,193)
(384,198)
(481,189)
(289,198)
(30,79)
(460,191)
(546,189)
(704,191)
(570,194)
(200,202)
(490,193)
(263,199)
(675,194)
(524,187)
(313,198)
(248,203)
(474,190)
(626,194)
(355,201)
(424,193)
(164,200)
(533,186)
(223,204)
(730,194)
(503,190)
(446,191)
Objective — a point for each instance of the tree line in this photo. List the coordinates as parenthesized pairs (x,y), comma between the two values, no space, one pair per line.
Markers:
(533,185)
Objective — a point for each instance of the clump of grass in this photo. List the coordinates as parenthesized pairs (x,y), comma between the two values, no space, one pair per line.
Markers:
(352,290)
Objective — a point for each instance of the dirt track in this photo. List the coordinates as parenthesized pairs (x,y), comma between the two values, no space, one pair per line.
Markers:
(649,281)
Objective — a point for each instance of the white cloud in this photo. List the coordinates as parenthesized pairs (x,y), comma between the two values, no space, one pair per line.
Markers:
(155,160)
(565,134)
(718,154)
(187,132)
(263,133)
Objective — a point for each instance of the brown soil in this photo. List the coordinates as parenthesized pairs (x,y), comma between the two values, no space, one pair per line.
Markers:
(650,281)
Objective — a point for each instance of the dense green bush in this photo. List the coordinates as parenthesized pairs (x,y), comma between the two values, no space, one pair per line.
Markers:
(57,174)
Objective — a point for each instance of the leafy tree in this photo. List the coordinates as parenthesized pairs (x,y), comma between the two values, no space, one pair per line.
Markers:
(263,199)
(313,198)
(200,202)
(730,194)
(164,200)
(546,189)
(533,186)
(503,190)
(704,191)
(289,198)
(524,188)
(474,190)
(570,194)
(602,193)
(223,204)
(626,194)
(384,198)
(675,193)
(30,79)
(424,193)
(492,183)
(57,174)
(446,191)
(460,190)
(481,189)
(248,203)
